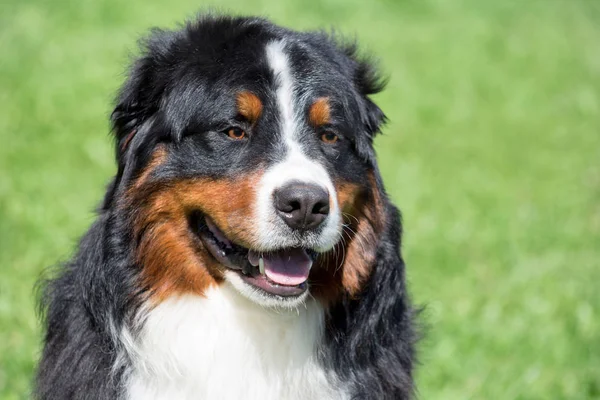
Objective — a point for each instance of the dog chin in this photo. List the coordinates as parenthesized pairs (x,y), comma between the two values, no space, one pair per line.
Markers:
(262,298)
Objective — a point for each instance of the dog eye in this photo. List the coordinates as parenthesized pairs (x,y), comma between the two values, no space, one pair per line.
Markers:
(235,133)
(329,137)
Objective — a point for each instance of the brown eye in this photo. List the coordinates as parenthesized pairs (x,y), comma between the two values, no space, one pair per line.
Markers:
(329,137)
(236,133)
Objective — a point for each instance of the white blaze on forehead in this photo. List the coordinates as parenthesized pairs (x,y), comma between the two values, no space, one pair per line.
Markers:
(296,165)
(278,61)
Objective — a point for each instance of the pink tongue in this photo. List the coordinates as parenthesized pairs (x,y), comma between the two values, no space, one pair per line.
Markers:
(287,267)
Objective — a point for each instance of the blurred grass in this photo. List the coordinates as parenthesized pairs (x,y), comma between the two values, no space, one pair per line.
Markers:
(492,153)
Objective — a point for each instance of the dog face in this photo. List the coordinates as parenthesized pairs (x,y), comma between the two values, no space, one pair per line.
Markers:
(245,158)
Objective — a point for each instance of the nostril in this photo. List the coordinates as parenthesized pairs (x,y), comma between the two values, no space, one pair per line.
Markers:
(294,205)
(321,207)
(286,203)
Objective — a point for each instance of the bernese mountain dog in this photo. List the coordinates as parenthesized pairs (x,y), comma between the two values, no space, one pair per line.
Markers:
(246,248)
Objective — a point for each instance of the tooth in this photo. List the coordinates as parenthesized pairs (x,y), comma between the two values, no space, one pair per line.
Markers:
(261,266)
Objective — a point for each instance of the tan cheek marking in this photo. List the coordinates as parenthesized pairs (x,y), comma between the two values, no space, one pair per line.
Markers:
(347,194)
(172,258)
(249,106)
(361,252)
(320,112)
(170,262)
(230,204)
(165,252)
(363,215)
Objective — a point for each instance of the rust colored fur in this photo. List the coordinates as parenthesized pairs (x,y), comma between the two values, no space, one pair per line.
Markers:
(348,265)
(173,259)
(319,113)
(249,106)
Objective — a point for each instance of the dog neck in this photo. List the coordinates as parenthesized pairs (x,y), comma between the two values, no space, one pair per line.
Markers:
(223,346)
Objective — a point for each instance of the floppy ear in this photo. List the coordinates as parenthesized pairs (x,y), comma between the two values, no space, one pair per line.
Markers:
(134,107)
(369,82)
(140,95)
(136,111)
(136,103)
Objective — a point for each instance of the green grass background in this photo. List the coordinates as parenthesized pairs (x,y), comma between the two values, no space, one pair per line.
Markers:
(492,152)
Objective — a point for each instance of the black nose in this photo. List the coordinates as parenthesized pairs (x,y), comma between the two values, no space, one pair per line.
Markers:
(302,206)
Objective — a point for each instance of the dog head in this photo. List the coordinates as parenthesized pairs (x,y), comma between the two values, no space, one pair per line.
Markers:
(245,158)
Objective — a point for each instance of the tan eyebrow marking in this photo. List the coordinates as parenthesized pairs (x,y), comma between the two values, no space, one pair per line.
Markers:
(249,106)
(320,112)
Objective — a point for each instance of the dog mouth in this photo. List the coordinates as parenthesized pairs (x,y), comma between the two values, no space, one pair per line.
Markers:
(282,272)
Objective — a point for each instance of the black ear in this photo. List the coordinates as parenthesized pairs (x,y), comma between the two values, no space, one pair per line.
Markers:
(368,81)
(132,107)
(136,112)
(374,118)
(140,95)
(135,104)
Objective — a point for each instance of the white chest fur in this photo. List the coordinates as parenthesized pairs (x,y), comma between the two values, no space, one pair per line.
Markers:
(225,347)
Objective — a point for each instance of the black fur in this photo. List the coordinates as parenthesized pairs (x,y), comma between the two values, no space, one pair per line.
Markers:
(371,339)
(176,90)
